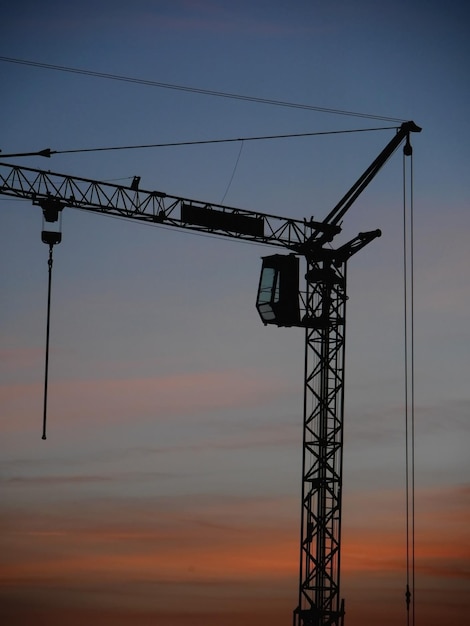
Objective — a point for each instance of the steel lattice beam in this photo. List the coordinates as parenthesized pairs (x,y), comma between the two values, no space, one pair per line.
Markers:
(157,207)
(319,599)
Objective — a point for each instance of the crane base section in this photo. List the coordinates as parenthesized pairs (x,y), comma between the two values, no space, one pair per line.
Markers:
(313,617)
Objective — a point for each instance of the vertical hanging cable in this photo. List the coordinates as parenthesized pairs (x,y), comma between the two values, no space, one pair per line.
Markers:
(407,473)
(412,397)
(46,374)
(51,238)
(408,280)
(52,210)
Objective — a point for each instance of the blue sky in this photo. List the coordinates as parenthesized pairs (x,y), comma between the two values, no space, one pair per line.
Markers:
(172,465)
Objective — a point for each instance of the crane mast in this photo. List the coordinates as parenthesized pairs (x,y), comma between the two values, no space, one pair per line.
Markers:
(319,307)
(319,600)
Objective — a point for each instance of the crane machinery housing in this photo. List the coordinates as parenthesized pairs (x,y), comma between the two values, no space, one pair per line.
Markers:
(319,307)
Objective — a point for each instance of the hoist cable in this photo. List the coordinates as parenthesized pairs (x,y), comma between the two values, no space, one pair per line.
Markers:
(409,393)
(407,472)
(207,92)
(412,396)
(48,323)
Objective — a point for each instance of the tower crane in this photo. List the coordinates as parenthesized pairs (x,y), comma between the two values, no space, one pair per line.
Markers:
(319,307)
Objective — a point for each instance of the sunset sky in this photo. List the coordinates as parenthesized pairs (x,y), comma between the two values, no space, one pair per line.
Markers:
(168,490)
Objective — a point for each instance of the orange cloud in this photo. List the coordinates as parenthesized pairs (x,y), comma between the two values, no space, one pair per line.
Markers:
(374,558)
(116,399)
(226,543)
(375,541)
(21,358)
(230,559)
(146,559)
(273,614)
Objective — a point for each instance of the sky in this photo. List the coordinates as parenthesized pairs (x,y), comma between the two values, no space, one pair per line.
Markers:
(168,489)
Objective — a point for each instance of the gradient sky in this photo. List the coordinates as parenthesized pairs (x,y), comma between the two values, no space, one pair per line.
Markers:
(167,491)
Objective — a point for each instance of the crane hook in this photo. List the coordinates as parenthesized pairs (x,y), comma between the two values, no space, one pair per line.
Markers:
(408,597)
